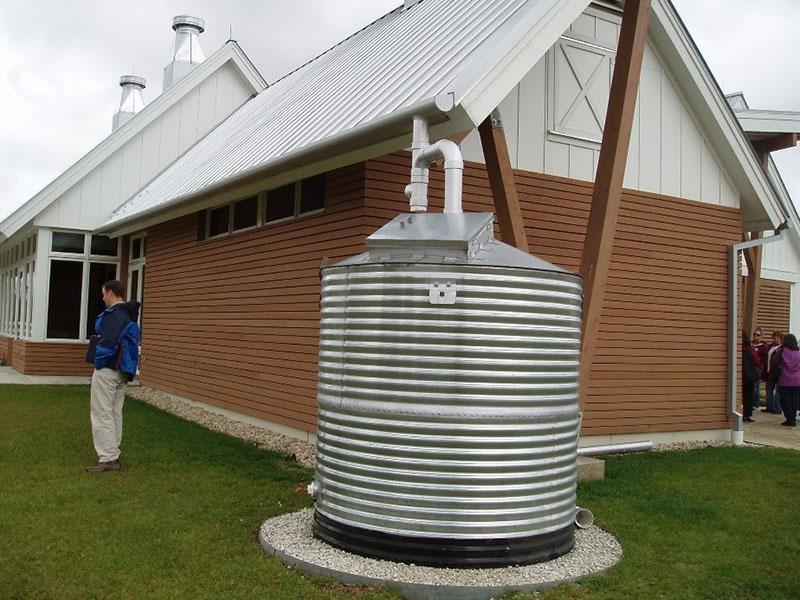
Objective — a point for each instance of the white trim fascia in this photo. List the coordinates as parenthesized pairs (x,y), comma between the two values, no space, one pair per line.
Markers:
(670,36)
(248,69)
(512,53)
(118,138)
(768,121)
(41,278)
(780,275)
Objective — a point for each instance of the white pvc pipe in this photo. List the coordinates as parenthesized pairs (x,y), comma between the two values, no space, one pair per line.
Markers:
(584,518)
(418,189)
(734,340)
(624,448)
(423,154)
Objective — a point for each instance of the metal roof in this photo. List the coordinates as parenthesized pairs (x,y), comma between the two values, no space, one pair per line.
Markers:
(451,57)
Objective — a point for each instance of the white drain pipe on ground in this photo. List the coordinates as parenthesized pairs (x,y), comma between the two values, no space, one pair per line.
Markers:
(734,341)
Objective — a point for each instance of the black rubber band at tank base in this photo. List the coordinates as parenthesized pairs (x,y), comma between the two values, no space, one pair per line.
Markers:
(453,553)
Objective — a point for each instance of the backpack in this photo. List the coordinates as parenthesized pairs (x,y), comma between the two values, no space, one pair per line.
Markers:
(127,358)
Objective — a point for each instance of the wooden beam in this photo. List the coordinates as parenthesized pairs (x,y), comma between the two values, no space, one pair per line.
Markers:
(501,180)
(775,143)
(752,287)
(610,174)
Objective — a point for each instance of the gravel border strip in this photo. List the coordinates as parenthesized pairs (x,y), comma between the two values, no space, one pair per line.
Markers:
(302,452)
(289,537)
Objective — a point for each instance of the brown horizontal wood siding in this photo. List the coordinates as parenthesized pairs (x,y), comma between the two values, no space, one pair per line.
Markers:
(660,363)
(773,306)
(234,321)
(50,358)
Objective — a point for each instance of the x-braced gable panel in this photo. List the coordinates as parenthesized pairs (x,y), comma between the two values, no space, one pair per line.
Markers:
(554,119)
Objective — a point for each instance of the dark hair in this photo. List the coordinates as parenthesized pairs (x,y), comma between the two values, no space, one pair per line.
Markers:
(115,287)
(790,342)
(777,334)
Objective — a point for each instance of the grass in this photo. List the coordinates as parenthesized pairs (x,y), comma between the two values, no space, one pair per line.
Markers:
(180,520)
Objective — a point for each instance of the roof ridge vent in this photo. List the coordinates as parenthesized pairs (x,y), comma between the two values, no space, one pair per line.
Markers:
(187,52)
(131,101)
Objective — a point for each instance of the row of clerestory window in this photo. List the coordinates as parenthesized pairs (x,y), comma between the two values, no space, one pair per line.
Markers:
(272,206)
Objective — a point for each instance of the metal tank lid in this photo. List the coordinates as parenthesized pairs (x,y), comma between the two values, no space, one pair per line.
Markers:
(445,238)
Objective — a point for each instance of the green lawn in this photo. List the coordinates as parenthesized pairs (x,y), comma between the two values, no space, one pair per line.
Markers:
(180,520)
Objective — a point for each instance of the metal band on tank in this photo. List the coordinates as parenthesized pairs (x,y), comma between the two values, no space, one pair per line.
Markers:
(466,553)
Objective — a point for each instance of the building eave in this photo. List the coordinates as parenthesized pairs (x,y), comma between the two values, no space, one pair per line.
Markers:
(118,138)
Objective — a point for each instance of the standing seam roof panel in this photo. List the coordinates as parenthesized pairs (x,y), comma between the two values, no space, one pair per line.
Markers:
(405,57)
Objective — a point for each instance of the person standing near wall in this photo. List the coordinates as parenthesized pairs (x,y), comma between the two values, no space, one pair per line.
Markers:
(773,394)
(761,347)
(789,380)
(114,351)
(750,376)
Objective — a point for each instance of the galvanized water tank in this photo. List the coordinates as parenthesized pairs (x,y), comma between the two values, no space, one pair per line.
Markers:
(448,398)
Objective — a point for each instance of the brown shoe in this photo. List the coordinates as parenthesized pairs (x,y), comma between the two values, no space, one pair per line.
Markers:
(111,465)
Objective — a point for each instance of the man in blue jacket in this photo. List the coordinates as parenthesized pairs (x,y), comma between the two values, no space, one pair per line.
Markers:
(115,354)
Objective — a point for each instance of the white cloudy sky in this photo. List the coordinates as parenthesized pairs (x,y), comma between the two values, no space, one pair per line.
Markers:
(60,63)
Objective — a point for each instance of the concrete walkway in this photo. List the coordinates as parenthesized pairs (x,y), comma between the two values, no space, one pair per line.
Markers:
(768,431)
(9,375)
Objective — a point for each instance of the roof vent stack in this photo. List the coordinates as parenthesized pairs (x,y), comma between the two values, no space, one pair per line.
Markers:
(131,101)
(187,52)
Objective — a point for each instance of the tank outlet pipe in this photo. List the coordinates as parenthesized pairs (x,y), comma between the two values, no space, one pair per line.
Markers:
(584,518)
(423,154)
(737,434)
(616,448)
(313,489)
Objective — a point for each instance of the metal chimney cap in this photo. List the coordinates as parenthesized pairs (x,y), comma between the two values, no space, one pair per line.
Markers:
(139,82)
(188,21)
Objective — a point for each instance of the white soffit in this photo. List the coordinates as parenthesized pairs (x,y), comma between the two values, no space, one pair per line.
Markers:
(452,59)
(768,121)
(119,137)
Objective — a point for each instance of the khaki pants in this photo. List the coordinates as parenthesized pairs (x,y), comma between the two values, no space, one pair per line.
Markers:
(108,395)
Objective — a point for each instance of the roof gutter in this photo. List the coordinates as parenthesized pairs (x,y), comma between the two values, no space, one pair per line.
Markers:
(389,126)
(737,435)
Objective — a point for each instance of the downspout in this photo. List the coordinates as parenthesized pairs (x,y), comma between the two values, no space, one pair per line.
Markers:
(734,341)
(423,154)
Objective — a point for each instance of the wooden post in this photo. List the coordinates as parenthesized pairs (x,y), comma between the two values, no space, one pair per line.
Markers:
(501,180)
(752,287)
(610,173)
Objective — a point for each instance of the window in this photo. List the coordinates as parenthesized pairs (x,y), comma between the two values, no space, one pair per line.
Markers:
(280,203)
(219,221)
(103,246)
(136,248)
(64,299)
(245,213)
(72,243)
(312,194)
(99,273)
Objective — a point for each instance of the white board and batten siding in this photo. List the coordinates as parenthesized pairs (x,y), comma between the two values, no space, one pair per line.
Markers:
(124,172)
(554,119)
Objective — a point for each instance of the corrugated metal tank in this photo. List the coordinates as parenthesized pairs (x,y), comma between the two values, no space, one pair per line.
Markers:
(448,398)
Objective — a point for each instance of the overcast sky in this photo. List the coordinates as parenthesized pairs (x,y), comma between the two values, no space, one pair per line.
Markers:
(60,63)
